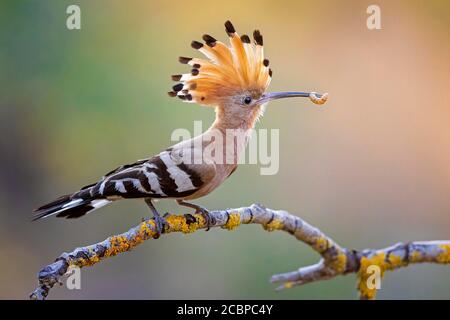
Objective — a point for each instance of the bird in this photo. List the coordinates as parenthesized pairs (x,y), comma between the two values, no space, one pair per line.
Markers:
(233,80)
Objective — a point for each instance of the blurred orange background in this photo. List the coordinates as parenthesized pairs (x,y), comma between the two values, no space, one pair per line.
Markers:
(370,168)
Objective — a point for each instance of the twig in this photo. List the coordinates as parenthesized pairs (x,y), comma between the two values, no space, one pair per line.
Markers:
(335,259)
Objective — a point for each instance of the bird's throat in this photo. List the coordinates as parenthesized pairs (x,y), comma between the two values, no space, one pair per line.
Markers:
(234,129)
(236,118)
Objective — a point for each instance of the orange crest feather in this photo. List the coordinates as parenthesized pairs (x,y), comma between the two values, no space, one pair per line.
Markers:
(228,70)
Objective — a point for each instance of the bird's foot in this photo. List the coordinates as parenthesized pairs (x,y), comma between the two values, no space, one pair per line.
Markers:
(160,224)
(209,219)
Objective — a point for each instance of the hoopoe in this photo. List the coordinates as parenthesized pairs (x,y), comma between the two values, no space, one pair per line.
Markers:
(233,79)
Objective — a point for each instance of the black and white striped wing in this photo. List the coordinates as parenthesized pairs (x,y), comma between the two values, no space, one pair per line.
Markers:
(159,177)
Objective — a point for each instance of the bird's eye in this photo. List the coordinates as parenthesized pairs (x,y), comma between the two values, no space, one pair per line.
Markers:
(247,100)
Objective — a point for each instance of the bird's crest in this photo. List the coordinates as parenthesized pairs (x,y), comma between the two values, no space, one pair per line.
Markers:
(227,70)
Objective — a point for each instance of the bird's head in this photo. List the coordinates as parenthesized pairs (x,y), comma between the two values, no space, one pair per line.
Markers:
(233,78)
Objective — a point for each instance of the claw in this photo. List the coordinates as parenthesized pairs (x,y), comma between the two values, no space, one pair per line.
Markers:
(207,216)
(159,222)
(160,226)
(199,210)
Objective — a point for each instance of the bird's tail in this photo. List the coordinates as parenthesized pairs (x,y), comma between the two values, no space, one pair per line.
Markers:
(69,206)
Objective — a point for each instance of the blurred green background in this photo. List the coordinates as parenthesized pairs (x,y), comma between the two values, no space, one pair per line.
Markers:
(370,168)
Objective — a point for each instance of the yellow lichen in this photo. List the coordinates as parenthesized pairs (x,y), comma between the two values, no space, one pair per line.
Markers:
(234,220)
(81,262)
(384,263)
(444,256)
(339,264)
(321,244)
(391,262)
(377,259)
(118,244)
(415,256)
(275,224)
(179,223)
(92,260)
(144,230)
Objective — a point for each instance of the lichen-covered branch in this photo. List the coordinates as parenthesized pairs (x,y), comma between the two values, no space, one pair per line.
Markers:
(335,259)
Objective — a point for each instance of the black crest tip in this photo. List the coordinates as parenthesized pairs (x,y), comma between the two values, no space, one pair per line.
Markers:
(178,87)
(194,72)
(184,60)
(210,41)
(172,94)
(176,77)
(258,37)
(245,38)
(270,73)
(196,45)
(266,62)
(229,27)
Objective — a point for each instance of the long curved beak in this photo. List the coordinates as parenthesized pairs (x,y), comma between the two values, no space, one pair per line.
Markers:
(313,96)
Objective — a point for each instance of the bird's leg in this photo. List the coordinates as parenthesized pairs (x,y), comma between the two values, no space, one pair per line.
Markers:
(199,209)
(160,222)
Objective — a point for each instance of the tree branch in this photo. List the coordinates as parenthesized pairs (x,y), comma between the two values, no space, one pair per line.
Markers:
(335,259)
